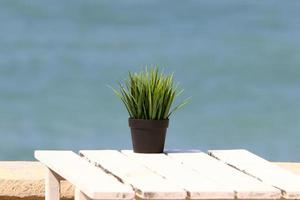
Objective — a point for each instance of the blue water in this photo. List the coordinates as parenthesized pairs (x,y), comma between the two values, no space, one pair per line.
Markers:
(239,60)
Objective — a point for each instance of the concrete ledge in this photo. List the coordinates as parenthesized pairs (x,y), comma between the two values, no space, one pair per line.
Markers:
(25,180)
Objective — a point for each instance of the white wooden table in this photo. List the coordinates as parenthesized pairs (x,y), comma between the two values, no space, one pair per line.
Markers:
(226,174)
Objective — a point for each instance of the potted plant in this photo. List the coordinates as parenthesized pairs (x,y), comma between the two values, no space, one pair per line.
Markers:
(148,97)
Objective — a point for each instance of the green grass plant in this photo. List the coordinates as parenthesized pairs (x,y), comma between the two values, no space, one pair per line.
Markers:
(149,94)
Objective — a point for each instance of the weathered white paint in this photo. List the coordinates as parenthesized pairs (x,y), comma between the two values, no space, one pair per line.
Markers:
(147,184)
(89,179)
(245,186)
(175,175)
(262,169)
(80,195)
(52,186)
(198,186)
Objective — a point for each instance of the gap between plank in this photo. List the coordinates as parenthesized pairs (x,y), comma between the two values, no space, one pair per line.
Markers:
(188,194)
(283,192)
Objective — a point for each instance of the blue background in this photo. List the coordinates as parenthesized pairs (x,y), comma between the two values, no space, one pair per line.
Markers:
(239,60)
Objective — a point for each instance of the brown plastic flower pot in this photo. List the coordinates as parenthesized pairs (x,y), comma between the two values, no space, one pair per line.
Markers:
(148,136)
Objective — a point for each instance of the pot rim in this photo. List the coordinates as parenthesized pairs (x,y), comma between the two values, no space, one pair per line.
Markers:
(148,123)
(130,118)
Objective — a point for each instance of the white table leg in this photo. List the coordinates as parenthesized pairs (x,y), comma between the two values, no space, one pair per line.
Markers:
(52,185)
(80,195)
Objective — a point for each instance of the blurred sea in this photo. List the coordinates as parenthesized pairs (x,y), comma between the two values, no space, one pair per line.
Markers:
(239,60)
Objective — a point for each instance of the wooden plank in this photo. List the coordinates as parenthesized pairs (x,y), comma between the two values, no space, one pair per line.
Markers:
(89,179)
(244,186)
(262,169)
(198,186)
(147,184)
(80,195)
(52,186)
